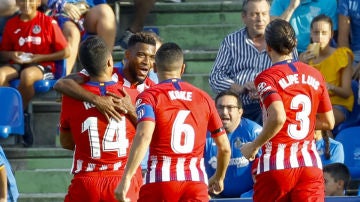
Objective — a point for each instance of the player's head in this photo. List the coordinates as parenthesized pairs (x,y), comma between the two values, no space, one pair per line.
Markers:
(280,37)
(321,30)
(256,16)
(95,56)
(139,56)
(337,177)
(28,7)
(169,58)
(229,107)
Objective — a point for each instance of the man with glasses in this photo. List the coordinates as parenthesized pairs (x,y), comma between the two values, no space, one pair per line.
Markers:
(239,130)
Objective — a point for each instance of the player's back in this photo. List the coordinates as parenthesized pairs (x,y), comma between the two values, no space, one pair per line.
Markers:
(183,114)
(100,144)
(303,93)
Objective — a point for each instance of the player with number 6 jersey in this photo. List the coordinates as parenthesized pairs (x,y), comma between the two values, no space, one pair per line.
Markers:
(173,118)
(295,102)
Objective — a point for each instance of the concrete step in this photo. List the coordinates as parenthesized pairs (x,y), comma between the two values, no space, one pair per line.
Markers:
(195,25)
(40,197)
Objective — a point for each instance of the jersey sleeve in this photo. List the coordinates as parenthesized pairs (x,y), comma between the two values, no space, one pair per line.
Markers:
(59,40)
(144,107)
(215,125)
(64,124)
(267,89)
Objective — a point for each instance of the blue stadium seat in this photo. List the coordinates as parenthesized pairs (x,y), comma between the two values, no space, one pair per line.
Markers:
(43,86)
(354,119)
(350,138)
(11,112)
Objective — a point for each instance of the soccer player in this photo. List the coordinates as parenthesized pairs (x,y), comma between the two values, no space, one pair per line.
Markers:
(173,118)
(133,76)
(100,146)
(295,102)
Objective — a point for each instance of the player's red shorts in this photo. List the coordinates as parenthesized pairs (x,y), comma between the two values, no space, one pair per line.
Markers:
(100,186)
(296,184)
(174,191)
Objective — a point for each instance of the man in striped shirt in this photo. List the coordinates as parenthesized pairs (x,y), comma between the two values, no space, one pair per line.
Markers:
(242,57)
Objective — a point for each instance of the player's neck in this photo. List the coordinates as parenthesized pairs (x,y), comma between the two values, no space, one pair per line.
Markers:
(275,58)
(103,78)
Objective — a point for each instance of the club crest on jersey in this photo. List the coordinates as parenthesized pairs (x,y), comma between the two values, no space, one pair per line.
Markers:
(262,87)
(36,29)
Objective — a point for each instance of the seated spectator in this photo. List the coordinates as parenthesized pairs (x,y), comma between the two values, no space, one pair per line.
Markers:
(335,66)
(76,17)
(330,150)
(299,14)
(239,130)
(254,167)
(349,31)
(8,188)
(337,178)
(30,52)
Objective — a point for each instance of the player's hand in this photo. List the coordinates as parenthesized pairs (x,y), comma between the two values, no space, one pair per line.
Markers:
(126,104)
(216,186)
(121,191)
(108,106)
(249,150)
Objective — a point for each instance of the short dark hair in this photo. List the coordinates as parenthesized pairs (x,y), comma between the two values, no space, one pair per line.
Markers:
(93,55)
(338,171)
(169,57)
(229,93)
(141,37)
(246,2)
(280,36)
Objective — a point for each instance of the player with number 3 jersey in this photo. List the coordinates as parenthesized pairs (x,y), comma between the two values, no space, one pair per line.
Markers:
(173,118)
(295,102)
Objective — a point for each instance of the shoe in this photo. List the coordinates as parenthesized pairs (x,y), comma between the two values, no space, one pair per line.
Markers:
(28,137)
(122,44)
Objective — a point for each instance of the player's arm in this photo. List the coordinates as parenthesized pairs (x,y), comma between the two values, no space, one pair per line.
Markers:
(325,121)
(216,182)
(70,86)
(286,15)
(3,184)
(272,125)
(66,140)
(144,131)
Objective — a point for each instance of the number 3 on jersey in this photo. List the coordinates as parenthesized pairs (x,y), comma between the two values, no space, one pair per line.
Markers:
(301,116)
(114,138)
(182,134)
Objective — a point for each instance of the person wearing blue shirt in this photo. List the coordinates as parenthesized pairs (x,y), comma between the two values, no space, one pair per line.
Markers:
(330,150)
(299,13)
(12,191)
(239,130)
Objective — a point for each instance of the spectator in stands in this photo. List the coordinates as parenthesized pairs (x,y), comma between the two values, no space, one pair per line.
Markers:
(31,43)
(239,131)
(337,178)
(78,17)
(254,167)
(299,13)
(349,31)
(7,9)
(242,56)
(295,102)
(335,64)
(8,188)
(102,146)
(139,57)
(330,150)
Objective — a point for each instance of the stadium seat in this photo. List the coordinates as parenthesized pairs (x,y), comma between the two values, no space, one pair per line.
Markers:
(11,112)
(350,138)
(354,119)
(46,85)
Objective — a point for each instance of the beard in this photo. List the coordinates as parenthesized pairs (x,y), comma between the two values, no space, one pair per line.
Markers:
(135,77)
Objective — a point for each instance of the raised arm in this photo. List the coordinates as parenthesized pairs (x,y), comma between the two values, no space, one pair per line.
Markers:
(3,184)
(287,13)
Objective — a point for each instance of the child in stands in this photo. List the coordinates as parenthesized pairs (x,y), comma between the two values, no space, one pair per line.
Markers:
(337,178)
